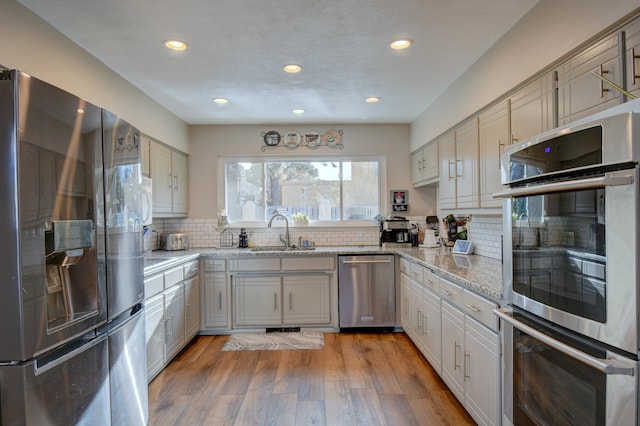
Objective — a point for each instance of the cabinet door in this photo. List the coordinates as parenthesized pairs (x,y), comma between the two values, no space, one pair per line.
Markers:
(180,170)
(532,109)
(192,307)
(174,321)
(154,330)
(447,156)
(482,374)
(216,302)
(405,294)
(632,32)
(494,136)
(145,155)
(431,329)
(417,167)
(467,164)
(257,301)
(580,93)
(162,178)
(416,314)
(306,299)
(430,162)
(453,349)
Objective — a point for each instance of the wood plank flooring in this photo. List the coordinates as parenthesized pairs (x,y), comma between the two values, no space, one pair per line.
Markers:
(357,379)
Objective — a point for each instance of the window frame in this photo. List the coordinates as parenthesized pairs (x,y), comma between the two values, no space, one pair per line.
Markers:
(315,157)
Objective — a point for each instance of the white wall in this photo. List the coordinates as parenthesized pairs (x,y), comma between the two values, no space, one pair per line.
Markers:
(210,142)
(550,30)
(35,47)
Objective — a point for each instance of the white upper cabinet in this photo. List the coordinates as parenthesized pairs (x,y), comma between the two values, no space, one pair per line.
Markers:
(580,91)
(458,152)
(424,165)
(169,172)
(632,34)
(494,137)
(531,109)
(447,155)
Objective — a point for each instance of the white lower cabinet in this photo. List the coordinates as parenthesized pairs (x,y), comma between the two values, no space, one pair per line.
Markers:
(456,331)
(154,326)
(471,362)
(292,300)
(258,301)
(172,313)
(216,314)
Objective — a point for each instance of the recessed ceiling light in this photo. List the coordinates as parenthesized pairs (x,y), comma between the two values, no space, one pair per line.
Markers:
(292,68)
(175,44)
(372,99)
(400,44)
(220,101)
(297,111)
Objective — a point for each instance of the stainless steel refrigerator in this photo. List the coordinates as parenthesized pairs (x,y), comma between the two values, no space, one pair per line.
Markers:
(65,332)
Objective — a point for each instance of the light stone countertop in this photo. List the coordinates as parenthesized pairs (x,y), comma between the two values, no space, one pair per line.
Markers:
(479,273)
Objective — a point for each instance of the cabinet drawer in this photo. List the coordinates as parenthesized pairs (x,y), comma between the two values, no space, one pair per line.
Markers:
(451,292)
(311,263)
(416,272)
(245,265)
(153,285)
(215,265)
(480,309)
(431,281)
(173,276)
(405,266)
(191,268)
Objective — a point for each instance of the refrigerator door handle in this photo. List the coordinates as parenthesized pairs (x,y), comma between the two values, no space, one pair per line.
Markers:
(66,356)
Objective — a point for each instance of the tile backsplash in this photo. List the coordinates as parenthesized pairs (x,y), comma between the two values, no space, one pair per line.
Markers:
(485,232)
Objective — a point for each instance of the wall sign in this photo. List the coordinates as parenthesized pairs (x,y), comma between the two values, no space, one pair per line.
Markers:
(399,200)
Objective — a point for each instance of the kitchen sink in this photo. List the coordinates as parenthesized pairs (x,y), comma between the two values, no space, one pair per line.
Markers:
(282,248)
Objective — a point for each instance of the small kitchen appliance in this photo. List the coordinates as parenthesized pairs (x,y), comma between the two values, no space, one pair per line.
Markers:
(171,242)
(394,230)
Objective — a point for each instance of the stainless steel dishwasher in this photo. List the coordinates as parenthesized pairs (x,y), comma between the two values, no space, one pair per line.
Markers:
(366,291)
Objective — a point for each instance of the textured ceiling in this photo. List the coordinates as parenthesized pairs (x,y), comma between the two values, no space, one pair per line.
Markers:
(237,49)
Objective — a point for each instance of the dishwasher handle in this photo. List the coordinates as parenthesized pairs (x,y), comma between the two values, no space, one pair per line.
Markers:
(355,262)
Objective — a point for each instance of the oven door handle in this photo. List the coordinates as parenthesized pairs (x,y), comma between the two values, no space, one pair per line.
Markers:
(569,185)
(610,366)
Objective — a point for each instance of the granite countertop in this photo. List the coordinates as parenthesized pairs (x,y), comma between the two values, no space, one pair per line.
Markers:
(479,273)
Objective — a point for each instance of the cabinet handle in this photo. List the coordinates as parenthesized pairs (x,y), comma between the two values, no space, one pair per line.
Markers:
(170,181)
(602,88)
(220,300)
(168,330)
(449,171)
(175,182)
(275,301)
(467,365)
(456,346)
(447,293)
(472,308)
(500,147)
(424,325)
(419,315)
(634,76)
(290,302)
(461,168)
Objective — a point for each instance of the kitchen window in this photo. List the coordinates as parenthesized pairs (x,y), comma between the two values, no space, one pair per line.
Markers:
(327,189)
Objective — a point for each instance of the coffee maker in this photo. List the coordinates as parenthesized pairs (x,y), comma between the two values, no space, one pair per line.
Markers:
(394,230)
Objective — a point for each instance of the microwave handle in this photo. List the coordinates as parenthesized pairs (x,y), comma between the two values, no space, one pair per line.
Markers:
(569,185)
(611,367)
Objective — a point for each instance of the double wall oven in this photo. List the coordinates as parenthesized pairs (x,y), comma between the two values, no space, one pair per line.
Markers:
(571,330)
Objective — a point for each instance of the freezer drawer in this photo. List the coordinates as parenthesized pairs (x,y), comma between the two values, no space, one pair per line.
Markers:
(366,291)
(68,388)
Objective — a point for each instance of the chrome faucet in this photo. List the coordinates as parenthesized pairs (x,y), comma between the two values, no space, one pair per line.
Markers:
(520,237)
(286,222)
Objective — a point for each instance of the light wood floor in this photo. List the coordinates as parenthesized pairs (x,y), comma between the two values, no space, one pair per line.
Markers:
(357,379)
